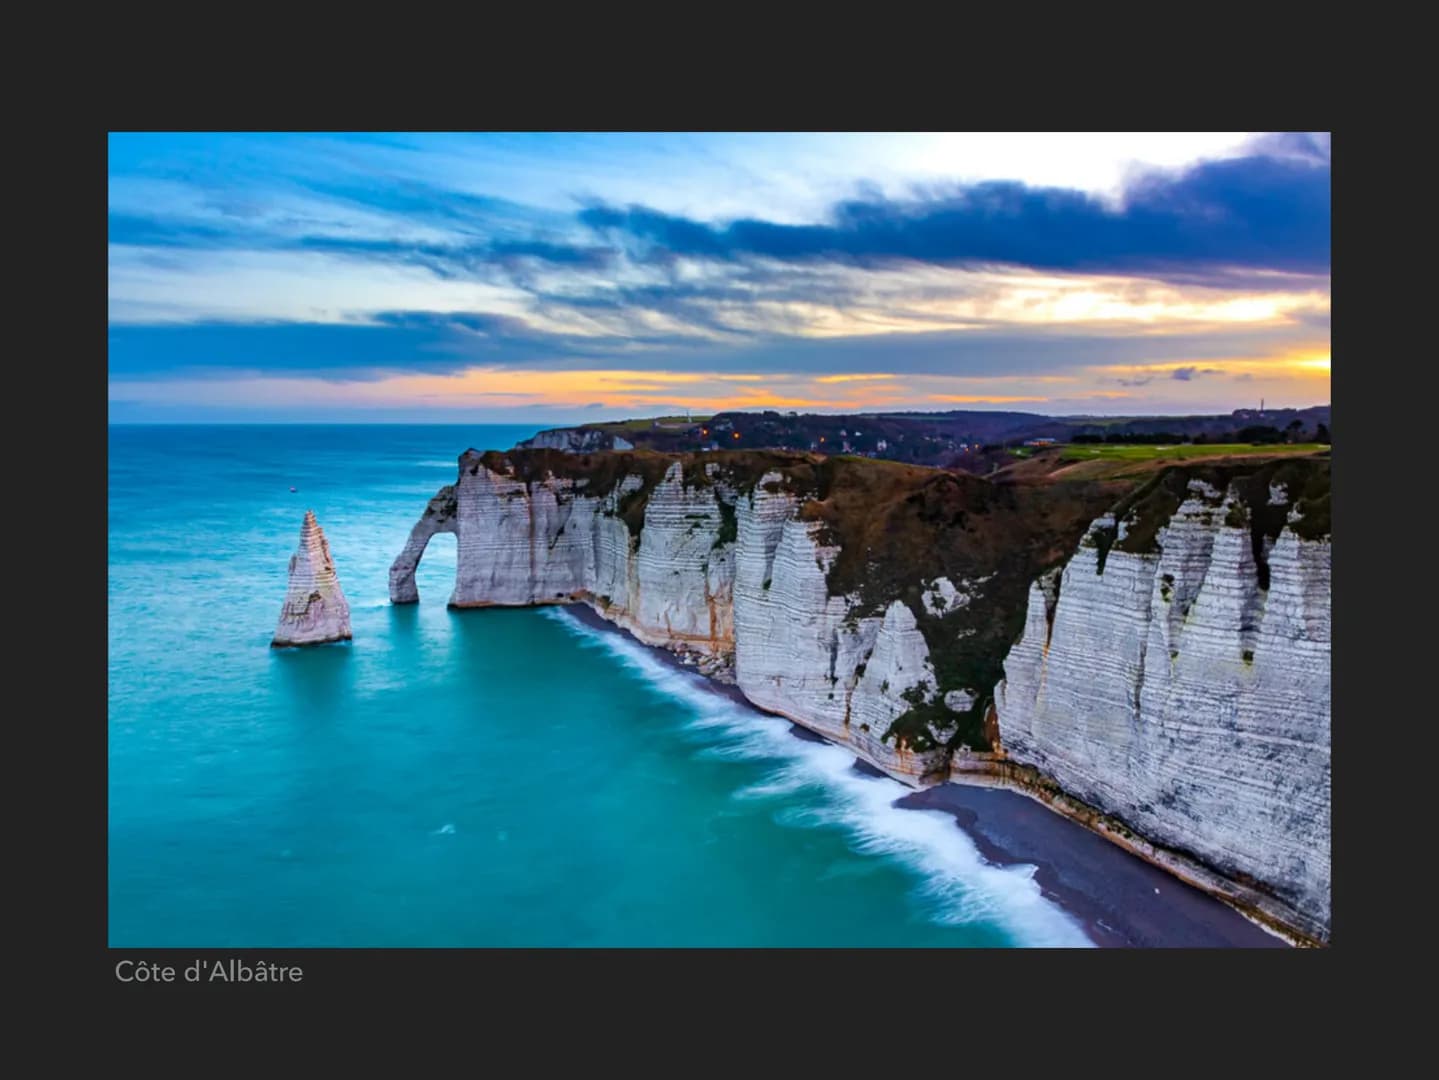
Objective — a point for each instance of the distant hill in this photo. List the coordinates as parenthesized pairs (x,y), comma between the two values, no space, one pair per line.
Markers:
(972,440)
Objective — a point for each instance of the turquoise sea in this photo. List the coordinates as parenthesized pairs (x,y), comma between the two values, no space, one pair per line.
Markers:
(460,778)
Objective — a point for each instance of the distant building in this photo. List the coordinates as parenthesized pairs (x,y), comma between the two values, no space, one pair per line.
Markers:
(1038,442)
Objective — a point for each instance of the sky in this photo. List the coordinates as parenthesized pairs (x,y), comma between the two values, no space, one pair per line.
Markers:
(563,278)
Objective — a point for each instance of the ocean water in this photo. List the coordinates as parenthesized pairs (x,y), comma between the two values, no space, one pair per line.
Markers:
(460,778)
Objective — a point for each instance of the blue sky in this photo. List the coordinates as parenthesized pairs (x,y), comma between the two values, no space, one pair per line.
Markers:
(562,277)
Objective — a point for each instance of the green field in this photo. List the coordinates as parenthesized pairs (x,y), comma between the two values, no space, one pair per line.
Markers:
(1122,452)
(649,421)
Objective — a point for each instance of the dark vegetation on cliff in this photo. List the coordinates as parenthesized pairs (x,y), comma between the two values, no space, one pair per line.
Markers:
(898,527)
(1301,486)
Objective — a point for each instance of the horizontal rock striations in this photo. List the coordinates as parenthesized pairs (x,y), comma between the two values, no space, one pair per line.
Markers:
(315,610)
(850,595)
(1159,654)
(1177,678)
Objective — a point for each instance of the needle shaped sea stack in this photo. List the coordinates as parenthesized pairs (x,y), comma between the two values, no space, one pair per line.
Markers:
(315,611)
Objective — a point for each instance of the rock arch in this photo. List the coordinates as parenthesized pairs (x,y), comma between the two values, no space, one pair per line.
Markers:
(441,515)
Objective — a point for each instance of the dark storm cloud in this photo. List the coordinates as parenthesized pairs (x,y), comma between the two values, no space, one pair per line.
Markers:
(1253,222)
(396,341)
(428,342)
(1265,212)
(392,341)
(1258,222)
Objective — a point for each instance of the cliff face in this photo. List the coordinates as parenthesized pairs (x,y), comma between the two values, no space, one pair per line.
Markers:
(315,610)
(812,656)
(577,440)
(1182,686)
(772,570)
(1165,664)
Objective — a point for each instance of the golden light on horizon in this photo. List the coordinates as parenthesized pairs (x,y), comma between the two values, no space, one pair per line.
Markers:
(975,399)
(1304,365)
(827,379)
(1302,372)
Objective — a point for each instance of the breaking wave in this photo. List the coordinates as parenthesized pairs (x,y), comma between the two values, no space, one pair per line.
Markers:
(959,886)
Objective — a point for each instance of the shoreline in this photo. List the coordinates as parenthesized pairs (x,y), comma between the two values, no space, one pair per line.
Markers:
(1119,899)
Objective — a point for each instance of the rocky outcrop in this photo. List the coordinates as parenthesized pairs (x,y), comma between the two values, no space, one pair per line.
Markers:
(580,440)
(1181,687)
(315,611)
(440,516)
(713,556)
(1168,685)
(806,654)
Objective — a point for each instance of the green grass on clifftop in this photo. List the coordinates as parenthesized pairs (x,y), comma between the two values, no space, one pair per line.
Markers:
(1179,452)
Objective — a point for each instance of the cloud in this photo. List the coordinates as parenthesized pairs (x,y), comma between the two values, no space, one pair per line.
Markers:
(563,254)
(390,341)
(1259,221)
(1265,212)
(422,341)
(1310,146)
(380,256)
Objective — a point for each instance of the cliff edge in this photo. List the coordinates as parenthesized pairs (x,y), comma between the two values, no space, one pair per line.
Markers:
(871,601)
(1176,676)
(1158,651)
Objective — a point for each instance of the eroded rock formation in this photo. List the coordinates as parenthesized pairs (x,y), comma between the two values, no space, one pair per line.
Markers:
(315,610)
(1183,688)
(773,571)
(1168,667)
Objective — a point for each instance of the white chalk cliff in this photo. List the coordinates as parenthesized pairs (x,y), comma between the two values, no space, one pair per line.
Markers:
(732,578)
(577,440)
(1184,690)
(1172,691)
(315,610)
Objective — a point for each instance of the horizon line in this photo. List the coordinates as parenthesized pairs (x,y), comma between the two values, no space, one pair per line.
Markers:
(754,412)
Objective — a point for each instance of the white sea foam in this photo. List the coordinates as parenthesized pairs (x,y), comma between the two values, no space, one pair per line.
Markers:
(956,881)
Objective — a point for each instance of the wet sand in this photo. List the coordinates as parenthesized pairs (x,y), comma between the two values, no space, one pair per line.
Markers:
(1121,900)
